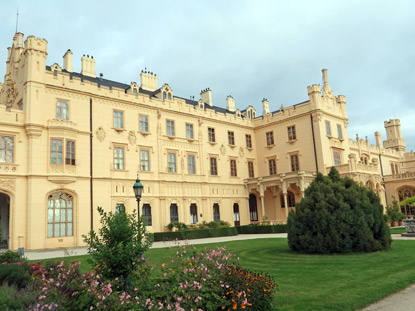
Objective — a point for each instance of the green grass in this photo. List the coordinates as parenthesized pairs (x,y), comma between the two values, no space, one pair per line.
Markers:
(319,282)
(398,230)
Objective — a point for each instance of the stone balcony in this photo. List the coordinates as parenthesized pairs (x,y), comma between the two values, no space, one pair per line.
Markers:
(401,176)
(358,168)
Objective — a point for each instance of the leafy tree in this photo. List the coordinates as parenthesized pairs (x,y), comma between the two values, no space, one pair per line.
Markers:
(117,250)
(337,216)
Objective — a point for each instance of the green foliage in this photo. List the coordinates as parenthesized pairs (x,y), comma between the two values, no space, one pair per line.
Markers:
(256,229)
(13,274)
(117,250)
(408,201)
(178,225)
(394,212)
(10,257)
(337,216)
(195,234)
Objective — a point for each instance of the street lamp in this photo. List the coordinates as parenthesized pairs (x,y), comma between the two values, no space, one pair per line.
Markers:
(138,191)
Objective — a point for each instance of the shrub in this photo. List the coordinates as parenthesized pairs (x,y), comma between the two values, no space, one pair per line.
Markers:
(256,229)
(15,274)
(10,257)
(336,216)
(194,234)
(117,250)
(178,225)
(394,212)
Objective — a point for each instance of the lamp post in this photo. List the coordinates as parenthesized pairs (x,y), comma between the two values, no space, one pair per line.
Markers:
(138,191)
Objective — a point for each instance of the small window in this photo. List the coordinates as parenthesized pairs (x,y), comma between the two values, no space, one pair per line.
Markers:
(216,212)
(172,162)
(143,123)
(119,158)
(170,128)
(174,213)
(147,214)
(270,138)
(118,119)
(251,169)
(248,141)
(189,131)
(291,133)
(213,166)
(337,157)
(233,168)
(231,138)
(294,163)
(272,167)
(6,149)
(211,135)
(328,128)
(339,131)
(62,110)
(70,152)
(193,213)
(56,151)
(191,165)
(144,160)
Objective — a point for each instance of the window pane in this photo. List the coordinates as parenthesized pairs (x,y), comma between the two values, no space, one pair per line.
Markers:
(50,215)
(50,230)
(70,229)
(57,215)
(57,230)
(63,229)
(63,215)
(70,214)
(9,156)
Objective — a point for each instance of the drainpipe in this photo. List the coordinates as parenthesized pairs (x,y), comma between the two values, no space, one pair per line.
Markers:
(90,165)
(314,141)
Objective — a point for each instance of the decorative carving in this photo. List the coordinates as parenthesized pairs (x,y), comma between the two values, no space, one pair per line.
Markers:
(222,150)
(241,152)
(8,184)
(101,134)
(132,139)
(56,168)
(11,93)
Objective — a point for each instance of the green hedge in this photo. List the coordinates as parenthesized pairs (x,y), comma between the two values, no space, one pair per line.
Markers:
(194,234)
(259,229)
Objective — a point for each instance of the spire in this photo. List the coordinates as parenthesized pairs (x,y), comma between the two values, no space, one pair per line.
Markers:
(17,18)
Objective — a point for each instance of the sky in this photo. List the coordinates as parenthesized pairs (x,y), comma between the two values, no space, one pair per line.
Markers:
(248,49)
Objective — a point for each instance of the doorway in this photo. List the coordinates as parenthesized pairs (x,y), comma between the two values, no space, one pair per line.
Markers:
(4,220)
(236,217)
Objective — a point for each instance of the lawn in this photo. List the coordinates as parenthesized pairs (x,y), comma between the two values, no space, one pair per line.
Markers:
(318,282)
(398,230)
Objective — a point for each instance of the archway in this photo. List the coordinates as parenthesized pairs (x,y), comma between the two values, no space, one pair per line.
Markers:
(5,220)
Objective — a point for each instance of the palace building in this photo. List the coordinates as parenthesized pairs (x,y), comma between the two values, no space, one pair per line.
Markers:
(72,141)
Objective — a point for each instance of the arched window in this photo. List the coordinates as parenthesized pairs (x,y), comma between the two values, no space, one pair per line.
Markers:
(216,212)
(193,213)
(253,210)
(403,193)
(174,214)
(290,199)
(147,214)
(60,214)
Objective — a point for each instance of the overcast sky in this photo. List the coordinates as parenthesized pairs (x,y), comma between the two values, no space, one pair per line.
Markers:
(247,49)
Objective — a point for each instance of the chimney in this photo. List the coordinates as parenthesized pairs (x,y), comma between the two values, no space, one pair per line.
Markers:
(326,86)
(265,106)
(67,61)
(378,140)
(230,104)
(206,96)
(88,66)
(149,81)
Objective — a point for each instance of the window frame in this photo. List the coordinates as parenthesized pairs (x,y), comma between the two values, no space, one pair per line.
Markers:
(193,216)
(121,147)
(233,168)
(213,160)
(270,138)
(73,160)
(143,125)
(60,111)
(170,128)
(173,168)
(146,161)
(190,130)
(191,167)
(231,138)
(339,131)
(339,152)
(295,162)
(272,169)
(176,216)
(216,212)
(248,141)
(55,196)
(146,213)
(119,117)
(328,128)
(292,134)
(57,151)
(6,150)
(211,135)
(251,171)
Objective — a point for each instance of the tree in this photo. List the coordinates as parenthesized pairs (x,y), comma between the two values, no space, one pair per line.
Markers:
(337,216)
(118,250)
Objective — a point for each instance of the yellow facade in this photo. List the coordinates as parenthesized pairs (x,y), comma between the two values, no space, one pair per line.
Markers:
(70,142)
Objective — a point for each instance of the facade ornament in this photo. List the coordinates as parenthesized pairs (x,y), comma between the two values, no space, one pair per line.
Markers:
(101,134)
(241,152)
(11,93)
(8,184)
(132,139)
(200,121)
(222,150)
(158,113)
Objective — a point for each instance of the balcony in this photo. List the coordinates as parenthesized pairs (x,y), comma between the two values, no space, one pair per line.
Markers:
(401,176)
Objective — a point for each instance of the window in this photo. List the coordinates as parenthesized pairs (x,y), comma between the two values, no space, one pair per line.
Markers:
(144,160)
(164,96)
(272,167)
(60,214)
(118,119)
(253,210)
(290,199)
(282,200)
(119,158)
(174,214)
(119,208)
(294,163)
(231,138)
(143,123)
(251,169)
(393,168)
(6,149)
(270,138)
(236,216)
(191,167)
(170,128)
(213,166)
(171,157)
(62,110)
(339,131)
(216,212)
(56,151)
(147,214)
(193,213)
(211,134)
(233,168)
(291,133)
(169,96)
(337,157)
(328,128)
(248,141)
(189,131)
(70,152)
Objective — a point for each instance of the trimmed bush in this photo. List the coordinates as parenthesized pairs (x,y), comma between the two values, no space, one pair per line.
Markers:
(194,234)
(15,274)
(337,216)
(259,229)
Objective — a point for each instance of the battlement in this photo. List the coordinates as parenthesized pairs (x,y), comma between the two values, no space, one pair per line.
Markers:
(34,43)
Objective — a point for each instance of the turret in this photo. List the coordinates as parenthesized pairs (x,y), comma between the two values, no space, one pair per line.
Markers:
(149,80)
(378,139)
(394,135)
(314,93)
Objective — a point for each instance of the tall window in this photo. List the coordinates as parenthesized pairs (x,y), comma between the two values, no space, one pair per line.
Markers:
(170,128)
(60,214)
(118,119)
(119,158)
(191,165)
(270,138)
(248,141)
(189,131)
(282,200)
(144,160)
(171,157)
(291,133)
(216,212)
(294,163)
(251,169)
(290,199)
(233,168)
(211,135)
(143,123)
(193,213)
(213,166)
(272,167)
(337,157)
(62,110)
(328,128)
(174,213)
(253,210)
(231,138)
(147,214)
(56,151)
(6,149)
(339,131)
(70,152)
